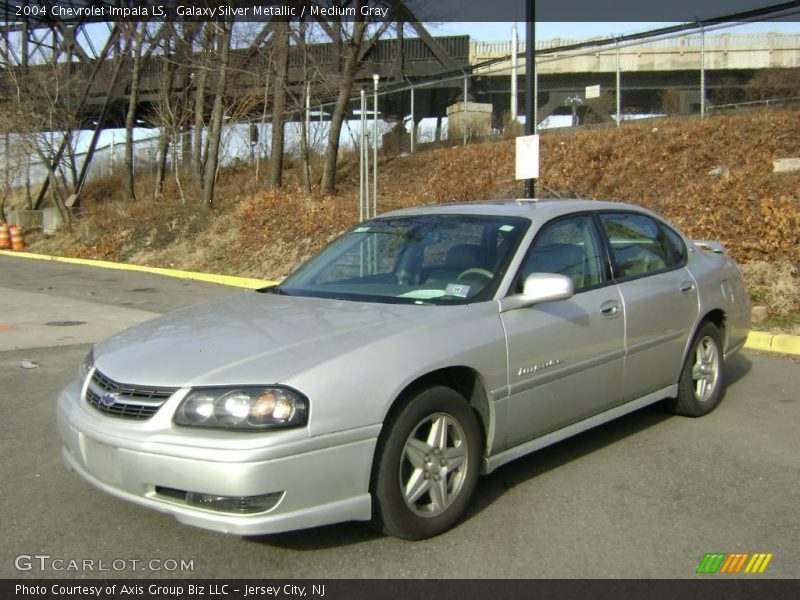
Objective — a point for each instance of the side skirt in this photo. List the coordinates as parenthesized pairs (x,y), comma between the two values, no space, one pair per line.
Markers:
(490,463)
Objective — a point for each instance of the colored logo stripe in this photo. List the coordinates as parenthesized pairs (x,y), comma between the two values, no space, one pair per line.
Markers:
(711,562)
(721,562)
(734,562)
(758,563)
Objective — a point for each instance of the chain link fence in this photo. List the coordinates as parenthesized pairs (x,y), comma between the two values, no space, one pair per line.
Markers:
(577,83)
(590,82)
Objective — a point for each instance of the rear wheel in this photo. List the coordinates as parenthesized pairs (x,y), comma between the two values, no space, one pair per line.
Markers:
(426,465)
(700,383)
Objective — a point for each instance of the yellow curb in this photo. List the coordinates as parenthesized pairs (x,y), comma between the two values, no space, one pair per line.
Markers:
(756,340)
(242,282)
(773,342)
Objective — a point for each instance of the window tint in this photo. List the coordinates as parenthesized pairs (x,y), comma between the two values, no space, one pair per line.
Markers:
(457,235)
(638,244)
(568,247)
(424,259)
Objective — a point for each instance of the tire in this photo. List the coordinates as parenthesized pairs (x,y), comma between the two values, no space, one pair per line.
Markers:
(700,382)
(426,465)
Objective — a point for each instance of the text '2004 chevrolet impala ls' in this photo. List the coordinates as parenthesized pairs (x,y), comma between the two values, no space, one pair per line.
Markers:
(417,350)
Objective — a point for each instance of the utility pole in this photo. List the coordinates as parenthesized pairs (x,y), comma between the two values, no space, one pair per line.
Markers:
(530,77)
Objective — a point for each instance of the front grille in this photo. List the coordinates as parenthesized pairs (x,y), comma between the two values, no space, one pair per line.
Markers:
(124,400)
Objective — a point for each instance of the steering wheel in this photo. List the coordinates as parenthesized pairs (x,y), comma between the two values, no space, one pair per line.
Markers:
(474,271)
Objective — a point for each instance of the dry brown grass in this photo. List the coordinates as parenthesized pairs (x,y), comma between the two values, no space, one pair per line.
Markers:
(662,164)
(774,285)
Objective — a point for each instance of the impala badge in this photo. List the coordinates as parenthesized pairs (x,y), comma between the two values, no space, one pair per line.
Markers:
(544,365)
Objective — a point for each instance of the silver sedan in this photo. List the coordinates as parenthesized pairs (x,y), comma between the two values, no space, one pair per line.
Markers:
(416,351)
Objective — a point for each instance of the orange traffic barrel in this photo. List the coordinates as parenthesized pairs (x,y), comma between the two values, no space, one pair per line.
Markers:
(5,238)
(17,238)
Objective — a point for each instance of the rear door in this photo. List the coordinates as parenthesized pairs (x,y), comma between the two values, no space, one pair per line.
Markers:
(660,298)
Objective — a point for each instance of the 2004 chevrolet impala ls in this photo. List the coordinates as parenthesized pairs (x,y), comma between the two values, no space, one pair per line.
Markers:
(415,351)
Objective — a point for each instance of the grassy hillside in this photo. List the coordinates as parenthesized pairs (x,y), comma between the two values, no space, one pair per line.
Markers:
(713,178)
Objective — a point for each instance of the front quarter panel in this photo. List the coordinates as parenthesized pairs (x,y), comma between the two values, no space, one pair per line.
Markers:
(357,387)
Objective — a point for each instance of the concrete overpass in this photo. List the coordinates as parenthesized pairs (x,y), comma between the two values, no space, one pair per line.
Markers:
(647,70)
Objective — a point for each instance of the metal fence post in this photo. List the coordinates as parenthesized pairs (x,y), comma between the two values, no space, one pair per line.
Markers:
(375,79)
(702,73)
(619,90)
(361,163)
(413,122)
(464,128)
(514,46)
(308,112)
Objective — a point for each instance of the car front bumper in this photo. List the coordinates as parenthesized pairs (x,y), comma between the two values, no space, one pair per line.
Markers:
(322,479)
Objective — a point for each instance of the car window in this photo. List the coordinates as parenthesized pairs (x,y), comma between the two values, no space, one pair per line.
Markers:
(569,247)
(638,244)
(676,244)
(459,234)
(425,259)
(372,256)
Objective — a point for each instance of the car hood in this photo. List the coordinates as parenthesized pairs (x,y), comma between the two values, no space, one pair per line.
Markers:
(250,338)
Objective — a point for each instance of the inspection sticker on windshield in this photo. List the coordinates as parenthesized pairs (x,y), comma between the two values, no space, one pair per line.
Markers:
(360,229)
(507,228)
(459,291)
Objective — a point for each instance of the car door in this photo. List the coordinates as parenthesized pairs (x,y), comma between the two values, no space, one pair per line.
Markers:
(660,297)
(565,358)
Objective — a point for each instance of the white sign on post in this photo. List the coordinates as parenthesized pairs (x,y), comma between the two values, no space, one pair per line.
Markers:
(592,91)
(528,157)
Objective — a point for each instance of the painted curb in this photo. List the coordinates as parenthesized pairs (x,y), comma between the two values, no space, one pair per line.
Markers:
(242,282)
(773,342)
(756,340)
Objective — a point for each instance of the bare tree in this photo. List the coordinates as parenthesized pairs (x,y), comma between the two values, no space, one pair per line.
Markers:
(14,158)
(353,43)
(44,110)
(203,65)
(137,33)
(223,31)
(167,115)
(305,153)
(281,37)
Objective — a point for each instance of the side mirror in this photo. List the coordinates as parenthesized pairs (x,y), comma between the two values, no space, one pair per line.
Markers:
(538,288)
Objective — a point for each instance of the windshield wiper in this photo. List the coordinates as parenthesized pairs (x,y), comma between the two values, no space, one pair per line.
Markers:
(273,289)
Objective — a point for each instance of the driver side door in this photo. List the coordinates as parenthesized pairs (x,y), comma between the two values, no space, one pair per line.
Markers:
(565,358)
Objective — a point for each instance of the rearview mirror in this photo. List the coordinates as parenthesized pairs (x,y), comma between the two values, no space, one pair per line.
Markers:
(538,288)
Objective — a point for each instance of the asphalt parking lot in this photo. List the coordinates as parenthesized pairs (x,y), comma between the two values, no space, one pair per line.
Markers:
(646,496)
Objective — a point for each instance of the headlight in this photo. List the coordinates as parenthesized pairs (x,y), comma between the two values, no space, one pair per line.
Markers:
(245,408)
(86,365)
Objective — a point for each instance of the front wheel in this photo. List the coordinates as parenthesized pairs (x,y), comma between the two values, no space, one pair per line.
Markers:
(700,383)
(426,465)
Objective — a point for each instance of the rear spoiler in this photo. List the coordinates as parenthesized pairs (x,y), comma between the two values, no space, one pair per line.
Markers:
(709,246)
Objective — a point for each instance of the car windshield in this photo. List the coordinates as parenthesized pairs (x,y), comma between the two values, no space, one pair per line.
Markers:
(423,259)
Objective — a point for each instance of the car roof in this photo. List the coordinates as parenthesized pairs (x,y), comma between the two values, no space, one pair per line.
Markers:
(539,209)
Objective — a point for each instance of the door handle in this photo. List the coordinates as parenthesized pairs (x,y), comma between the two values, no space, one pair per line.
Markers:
(686,287)
(609,309)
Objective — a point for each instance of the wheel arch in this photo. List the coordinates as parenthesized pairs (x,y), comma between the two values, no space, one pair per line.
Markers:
(716,316)
(464,380)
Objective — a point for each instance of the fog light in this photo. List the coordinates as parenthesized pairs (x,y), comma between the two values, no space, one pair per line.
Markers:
(234,504)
